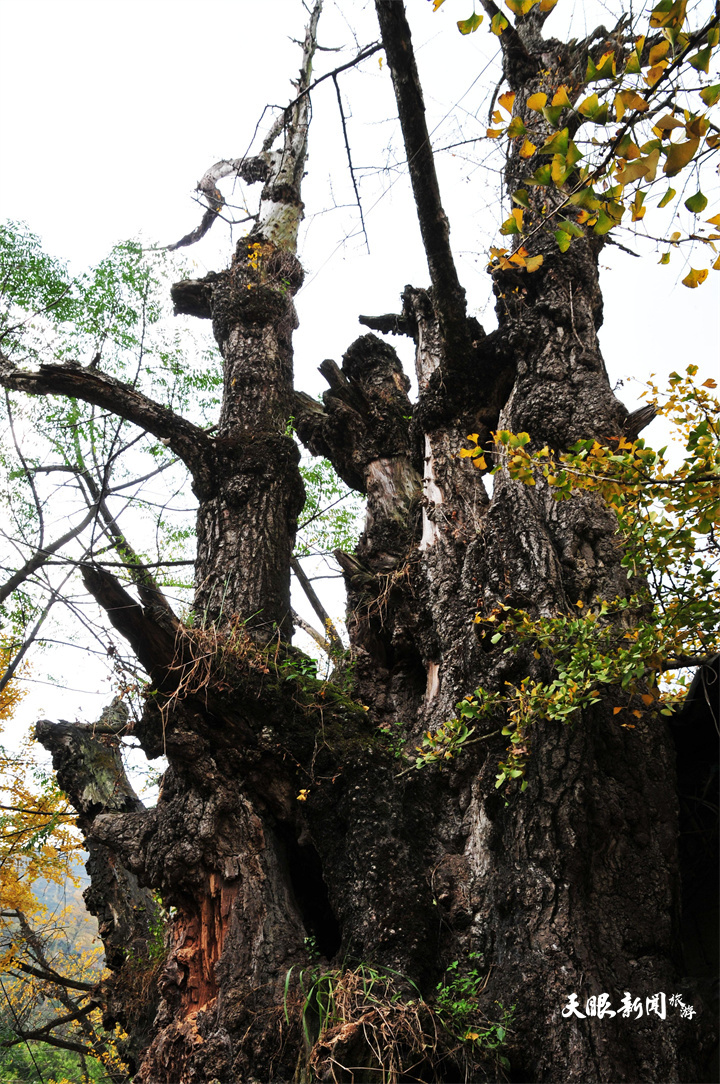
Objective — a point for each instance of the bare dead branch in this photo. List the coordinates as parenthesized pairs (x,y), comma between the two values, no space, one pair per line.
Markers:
(49,975)
(369,50)
(64,1044)
(186,440)
(26,469)
(320,640)
(250,170)
(448,294)
(34,812)
(30,639)
(260,167)
(332,634)
(349,158)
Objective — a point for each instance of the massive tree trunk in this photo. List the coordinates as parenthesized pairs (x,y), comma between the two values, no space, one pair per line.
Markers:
(287,836)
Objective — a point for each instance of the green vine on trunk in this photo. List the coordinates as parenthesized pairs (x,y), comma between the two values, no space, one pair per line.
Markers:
(668,517)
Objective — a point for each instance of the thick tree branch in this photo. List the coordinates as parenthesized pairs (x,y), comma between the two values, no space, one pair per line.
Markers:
(519,64)
(366,411)
(448,294)
(282,190)
(151,636)
(331,632)
(141,576)
(90,770)
(54,977)
(43,1032)
(637,420)
(193,297)
(185,439)
(391,323)
(250,170)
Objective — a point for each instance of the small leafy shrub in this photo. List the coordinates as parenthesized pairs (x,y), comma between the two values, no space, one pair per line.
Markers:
(458,1006)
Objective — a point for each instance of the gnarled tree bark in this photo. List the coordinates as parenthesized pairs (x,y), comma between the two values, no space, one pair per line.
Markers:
(571,886)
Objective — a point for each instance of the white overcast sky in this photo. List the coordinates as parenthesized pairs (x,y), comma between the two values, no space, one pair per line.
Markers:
(111,110)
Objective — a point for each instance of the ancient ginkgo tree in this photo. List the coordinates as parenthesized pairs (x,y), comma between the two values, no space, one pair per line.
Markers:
(340,912)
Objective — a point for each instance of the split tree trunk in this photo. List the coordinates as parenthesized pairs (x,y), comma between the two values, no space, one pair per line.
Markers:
(569,887)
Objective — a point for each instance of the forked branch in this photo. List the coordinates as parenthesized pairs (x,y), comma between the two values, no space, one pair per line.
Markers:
(186,440)
(275,168)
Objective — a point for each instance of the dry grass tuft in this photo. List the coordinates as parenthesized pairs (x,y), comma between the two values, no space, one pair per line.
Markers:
(367,1025)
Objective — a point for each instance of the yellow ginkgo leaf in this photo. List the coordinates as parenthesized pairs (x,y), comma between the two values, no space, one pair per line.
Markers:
(679,155)
(560,97)
(695,278)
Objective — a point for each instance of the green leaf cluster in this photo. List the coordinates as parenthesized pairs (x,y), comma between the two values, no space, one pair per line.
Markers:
(115,317)
(444,743)
(332,516)
(457,1002)
(668,519)
(648,105)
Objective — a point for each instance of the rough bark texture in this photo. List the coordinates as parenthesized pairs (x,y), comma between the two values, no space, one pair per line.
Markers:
(286,835)
(90,770)
(252,493)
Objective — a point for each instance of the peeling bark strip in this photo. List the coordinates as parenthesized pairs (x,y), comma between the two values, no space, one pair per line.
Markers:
(286,836)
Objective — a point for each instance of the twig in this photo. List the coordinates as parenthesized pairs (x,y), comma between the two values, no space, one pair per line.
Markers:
(350,164)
